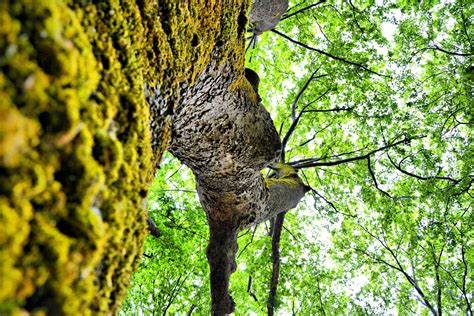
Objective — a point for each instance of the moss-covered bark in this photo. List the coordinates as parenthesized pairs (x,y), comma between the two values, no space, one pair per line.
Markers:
(75,150)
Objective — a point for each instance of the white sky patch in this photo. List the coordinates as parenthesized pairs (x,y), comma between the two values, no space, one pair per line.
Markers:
(298,71)
(388,31)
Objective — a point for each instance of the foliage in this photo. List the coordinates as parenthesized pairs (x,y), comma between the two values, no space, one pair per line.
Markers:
(173,274)
(387,233)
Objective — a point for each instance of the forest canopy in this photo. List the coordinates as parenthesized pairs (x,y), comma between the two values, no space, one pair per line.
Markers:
(381,93)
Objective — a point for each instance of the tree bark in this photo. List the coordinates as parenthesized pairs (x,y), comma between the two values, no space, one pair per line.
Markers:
(223,133)
(76,153)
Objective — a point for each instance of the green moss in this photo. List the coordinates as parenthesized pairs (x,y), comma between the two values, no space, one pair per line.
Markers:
(285,174)
(75,153)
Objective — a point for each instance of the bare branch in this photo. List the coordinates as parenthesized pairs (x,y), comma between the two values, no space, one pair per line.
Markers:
(302,10)
(191,310)
(292,235)
(328,54)
(436,47)
(332,204)
(315,163)
(464,276)
(328,110)
(172,175)
(374,179)
(399,168)
(400,268)
(300,93)
(249,289)
(276,262)
(292,128)
(179,190)
(251,240)
(154,230)
(321,30)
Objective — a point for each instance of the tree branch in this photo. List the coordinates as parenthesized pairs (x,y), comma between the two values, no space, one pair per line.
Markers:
(154,230)
(351,159)
(331,204)
(249,289)
(399,168)
(464,276)
(293,125)
(300,93)
(436,47)
(374,179)
(328,54)
(191,310)
(328,110)
(276,262)
(302,10)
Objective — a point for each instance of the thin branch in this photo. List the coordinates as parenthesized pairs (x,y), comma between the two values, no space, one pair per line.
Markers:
(436,47)
(154,230)
(412,281)
(249,289)
(281,129)
(172,294)
(399,168)
(468,38)
(292,128)
(276,262)
(191,310)
(328,110)
(374,179)
(320,298)
(251,240)
(331,204)
(306,142)
(328,54)
(351,159)
(179,190)
(464,276)
(300,94)
(175,172)
(307,160)
(321,30)
(292,235)
(302,10)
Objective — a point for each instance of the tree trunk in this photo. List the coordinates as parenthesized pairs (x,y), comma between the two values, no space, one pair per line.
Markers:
(76,154)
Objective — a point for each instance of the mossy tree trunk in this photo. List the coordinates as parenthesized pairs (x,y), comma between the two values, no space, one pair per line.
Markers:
(76,154)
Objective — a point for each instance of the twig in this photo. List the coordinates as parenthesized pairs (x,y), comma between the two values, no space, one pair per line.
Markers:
(315,163)
(399,168)
(328,55)
(249,289)
(302,10)
(374,179)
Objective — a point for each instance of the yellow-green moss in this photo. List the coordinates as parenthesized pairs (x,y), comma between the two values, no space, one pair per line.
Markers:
(75,154)
(285,174)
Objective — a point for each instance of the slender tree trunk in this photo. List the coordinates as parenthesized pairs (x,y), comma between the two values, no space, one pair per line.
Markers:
(276,263)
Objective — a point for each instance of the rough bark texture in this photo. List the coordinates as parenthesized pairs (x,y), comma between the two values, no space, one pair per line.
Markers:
(276,263)
(222,132)
(265,14)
